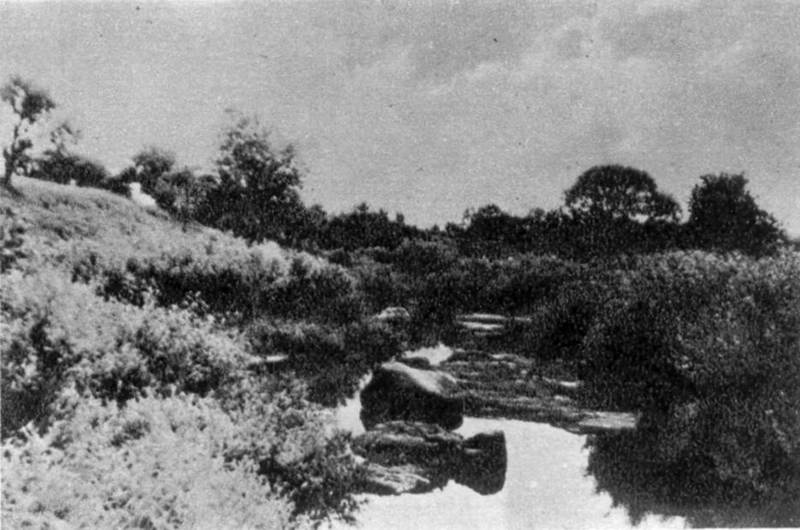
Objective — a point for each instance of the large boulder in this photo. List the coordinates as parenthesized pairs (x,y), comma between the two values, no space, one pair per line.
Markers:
(400,392)
(413,457)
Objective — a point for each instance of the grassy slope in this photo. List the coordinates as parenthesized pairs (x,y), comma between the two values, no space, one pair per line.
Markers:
(65,226)
(64,220)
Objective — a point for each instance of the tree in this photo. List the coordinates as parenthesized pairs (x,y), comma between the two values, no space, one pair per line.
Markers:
(150,165)
(63,167)
(257,196)
(363,228)
(724,216)
(29,106)
(618,192)
(491,231)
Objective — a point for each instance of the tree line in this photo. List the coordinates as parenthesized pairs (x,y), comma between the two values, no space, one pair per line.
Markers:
(254,192)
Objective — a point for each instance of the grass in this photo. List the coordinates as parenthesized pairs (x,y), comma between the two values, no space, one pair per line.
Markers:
(126,371)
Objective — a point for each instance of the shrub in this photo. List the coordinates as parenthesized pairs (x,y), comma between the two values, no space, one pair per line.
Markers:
(154,464)
(231,278)
(708,347)
(293,446)
(560,324)
(315,290)
(56,333)
(12,230)
(331,359)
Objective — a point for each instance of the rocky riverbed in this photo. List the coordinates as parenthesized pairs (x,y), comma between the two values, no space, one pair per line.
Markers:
(410,406)
(507,386)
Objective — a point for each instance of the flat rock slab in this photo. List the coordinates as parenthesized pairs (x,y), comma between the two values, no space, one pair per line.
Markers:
(414,457)
(599,422)
(505,386)
(395,480)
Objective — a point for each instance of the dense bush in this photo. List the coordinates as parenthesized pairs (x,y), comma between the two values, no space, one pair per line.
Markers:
(708,348)
(332,359)
(55,334)
(560,323)
(435,284)
(157,463)
(293,445)
(235,279)
(12,232)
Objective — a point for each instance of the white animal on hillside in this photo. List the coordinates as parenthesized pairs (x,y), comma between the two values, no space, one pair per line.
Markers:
(139,197)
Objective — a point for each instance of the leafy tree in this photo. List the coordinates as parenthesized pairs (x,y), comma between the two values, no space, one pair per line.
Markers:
(257,196)
(618,192)
(491,231)
(62,167)
(615,209)
(150,165)
(724,216)
(29,105)
(363,228)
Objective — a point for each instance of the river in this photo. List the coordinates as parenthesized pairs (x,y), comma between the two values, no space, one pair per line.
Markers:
(547,485)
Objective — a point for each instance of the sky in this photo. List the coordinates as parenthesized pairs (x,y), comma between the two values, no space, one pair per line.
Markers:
(431,107)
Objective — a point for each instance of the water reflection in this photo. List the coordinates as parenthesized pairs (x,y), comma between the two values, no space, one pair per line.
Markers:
(546,486)
(623,468)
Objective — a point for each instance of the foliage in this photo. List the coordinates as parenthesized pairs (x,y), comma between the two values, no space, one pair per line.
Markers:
(157,463)
(490,231)
(289,439)
(331,359)
(707,347)
(560,323)
(150,165)
(724,216)
(362,228)
(257,196)
(619,192)
(230,278)
(30,105)
(63,168)
(434,283)
(56,334)
(12,230)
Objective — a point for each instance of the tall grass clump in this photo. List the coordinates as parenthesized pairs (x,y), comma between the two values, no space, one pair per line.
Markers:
(708,348)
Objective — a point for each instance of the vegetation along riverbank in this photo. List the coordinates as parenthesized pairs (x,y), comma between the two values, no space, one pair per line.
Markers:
(176,363)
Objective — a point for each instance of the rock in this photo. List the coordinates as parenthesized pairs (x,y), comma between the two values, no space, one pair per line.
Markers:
(399,442)
(484,318)
(417,457)
(435,355)
(420,363)
(382,480)
(599,422)
(393,315)
(400,392)
(482,329)
(484,462)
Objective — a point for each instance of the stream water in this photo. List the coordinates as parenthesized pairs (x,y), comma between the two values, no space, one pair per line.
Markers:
(546,485)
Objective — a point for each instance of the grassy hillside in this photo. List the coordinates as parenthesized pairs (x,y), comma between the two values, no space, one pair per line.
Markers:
(65,225)
(131,341)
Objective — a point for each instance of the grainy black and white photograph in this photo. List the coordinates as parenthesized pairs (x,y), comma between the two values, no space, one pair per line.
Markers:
(395,264)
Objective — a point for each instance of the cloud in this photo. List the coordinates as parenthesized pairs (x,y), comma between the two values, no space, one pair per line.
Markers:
(428,108)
